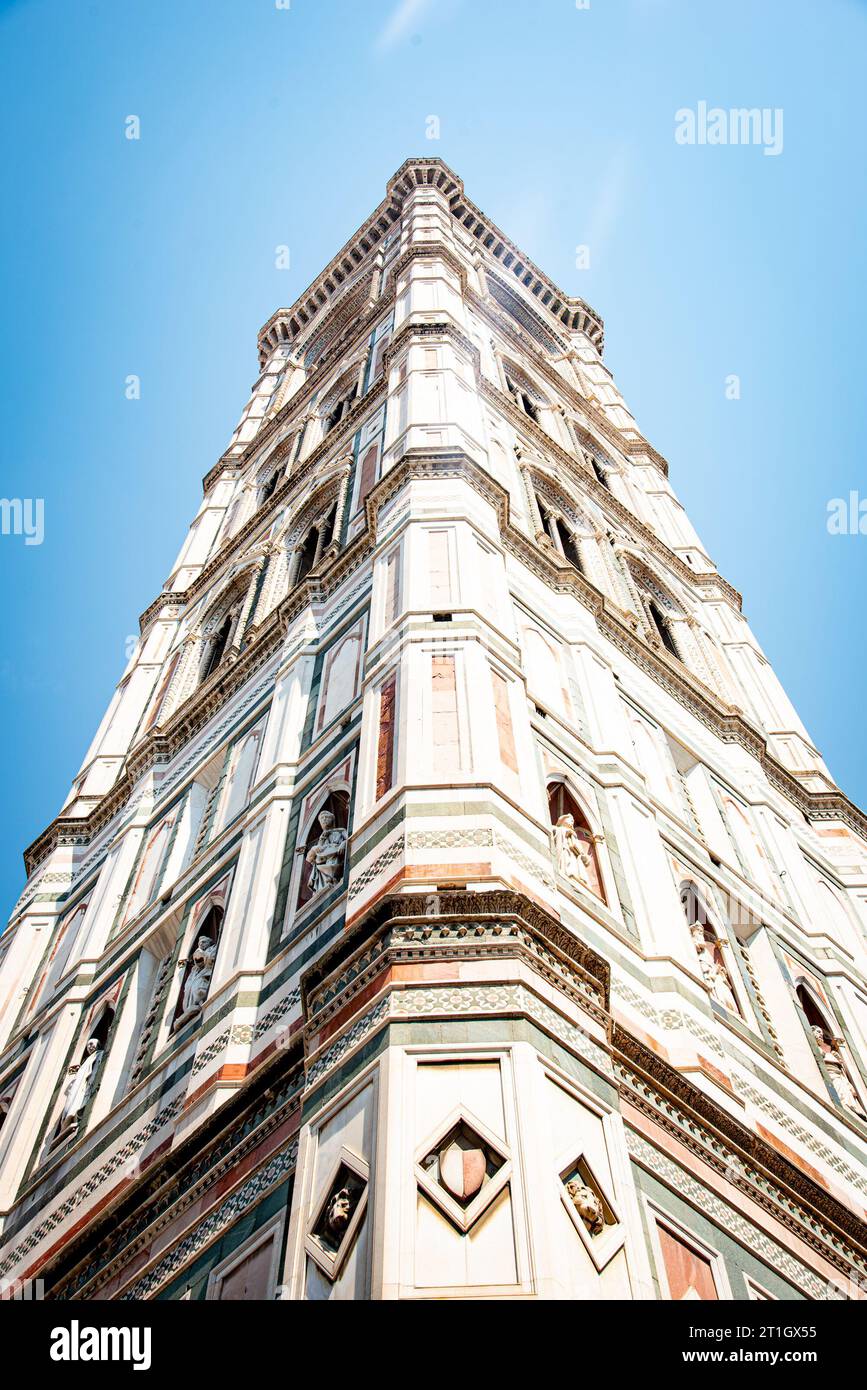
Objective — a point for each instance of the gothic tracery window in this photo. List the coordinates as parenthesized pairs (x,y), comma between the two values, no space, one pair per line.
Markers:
(523,397)
(339,408)
(662,627)
(221,639)
(601,473)
(269,487)
(308,555)
(568,543)
(560,534)
(317,540)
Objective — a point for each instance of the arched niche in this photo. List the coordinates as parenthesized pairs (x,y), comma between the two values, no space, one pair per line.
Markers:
(838,1064)
(82,1078)
(243,761)
(324,846)
(524,392)
(574,842)
(150,867)
(204,942)
(708,945)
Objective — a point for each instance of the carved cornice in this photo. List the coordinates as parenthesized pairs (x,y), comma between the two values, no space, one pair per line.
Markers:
(177,1182)
(728,724)
(465,926)
(660,1091)
(442,329)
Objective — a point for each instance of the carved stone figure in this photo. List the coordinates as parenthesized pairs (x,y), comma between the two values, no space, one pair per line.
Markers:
(833,1059)
(80,1087)
(713,971)
(198,981)
(572,853)
(588,1205)
(327,855)
(338,1213)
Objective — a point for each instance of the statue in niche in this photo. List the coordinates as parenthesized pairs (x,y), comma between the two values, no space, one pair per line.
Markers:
(573,853)
(326,855)
(588,1205)
(198,980)
(79,1088)
(713,971)
(833,1059)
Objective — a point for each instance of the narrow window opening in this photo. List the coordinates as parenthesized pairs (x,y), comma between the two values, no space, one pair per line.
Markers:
(660,622)
(219,643)
(308,555)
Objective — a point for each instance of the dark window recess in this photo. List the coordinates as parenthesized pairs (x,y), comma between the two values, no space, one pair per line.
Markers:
(601,474)
(342,407)
(524,400)
(661,624)
(219,642)
(567,541)
(442,617)
(270,487)
(308,554)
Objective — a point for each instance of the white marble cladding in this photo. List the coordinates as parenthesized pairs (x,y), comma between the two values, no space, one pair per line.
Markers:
(441,588)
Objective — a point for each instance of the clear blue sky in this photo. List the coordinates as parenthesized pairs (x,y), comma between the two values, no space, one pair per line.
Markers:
(262,126)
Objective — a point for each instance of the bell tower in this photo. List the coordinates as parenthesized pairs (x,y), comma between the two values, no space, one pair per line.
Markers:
(451,903)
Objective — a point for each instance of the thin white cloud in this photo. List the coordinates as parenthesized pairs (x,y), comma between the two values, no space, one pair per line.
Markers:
(610,200)
(405,14)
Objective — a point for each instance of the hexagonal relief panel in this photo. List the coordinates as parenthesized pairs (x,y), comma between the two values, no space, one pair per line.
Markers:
(591,1210)
(338,1214)
(462,1168)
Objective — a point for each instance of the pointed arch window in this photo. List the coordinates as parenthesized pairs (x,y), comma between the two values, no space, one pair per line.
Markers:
(309,553)
(269,487)
(220,640)
(6,1098)
(307,556)
(567,543)
(339,409)
(601,473)
(560,534)
(575,852)
(326,529)
(523,398)
(662,627)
